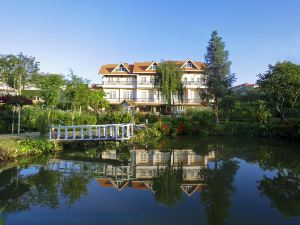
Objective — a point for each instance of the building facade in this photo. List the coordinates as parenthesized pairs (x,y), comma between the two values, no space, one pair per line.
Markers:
(134,84)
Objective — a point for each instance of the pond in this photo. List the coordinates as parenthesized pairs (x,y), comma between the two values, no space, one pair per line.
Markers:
(212,181)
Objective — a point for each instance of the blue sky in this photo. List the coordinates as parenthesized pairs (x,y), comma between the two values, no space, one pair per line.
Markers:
(84,34)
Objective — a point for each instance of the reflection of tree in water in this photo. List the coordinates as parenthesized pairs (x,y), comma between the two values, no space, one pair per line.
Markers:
(219,187)
(167,185)
(43,188)
(284,192)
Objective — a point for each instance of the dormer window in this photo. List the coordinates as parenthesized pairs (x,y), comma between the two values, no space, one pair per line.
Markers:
(188,65)
(120,69)
(153,67)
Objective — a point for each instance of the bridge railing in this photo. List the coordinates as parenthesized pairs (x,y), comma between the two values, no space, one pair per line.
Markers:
(92,132)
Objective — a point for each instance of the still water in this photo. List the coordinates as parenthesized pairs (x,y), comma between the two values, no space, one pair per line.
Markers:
(183,181)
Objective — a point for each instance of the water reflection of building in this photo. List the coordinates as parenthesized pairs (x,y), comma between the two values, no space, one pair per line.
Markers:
(140,172)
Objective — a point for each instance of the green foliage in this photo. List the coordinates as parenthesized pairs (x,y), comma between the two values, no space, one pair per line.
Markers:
(228,105)
(36,146)
(80,97)
(259,112)
(219,186)
(18,69)
(167,186)
(51,88)
(77,92)
(97,100)
(141,117)
(168,81)
(281,85)
(11,147)
(146,135)
(218,76)
(114,117)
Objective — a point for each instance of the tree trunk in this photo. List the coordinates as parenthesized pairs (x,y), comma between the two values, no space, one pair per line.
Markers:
(216,111)
(280,111)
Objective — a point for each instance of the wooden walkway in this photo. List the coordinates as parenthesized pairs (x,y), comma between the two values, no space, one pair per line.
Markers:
(107,132)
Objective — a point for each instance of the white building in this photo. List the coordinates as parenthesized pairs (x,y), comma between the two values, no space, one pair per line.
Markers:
(5,89)
(134,82)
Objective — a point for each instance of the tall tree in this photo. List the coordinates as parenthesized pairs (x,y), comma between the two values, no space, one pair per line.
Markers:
(168,82)
(218,76)
(281,85)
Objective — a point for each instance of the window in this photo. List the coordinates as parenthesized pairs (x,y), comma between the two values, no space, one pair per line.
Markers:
(144,95)
(127,94)
(144,157)
(110,80)
(151,80)
(199,80)
(112,95)
(153,67)
(157,157)
(143,80)
(120,69)
(129,80)
(188,65)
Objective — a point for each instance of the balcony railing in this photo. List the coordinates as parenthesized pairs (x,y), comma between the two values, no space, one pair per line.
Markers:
(154,100)
(198,83)
(119,82)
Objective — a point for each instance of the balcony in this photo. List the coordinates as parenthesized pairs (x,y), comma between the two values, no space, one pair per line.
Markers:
(193,83)
(119,82)
(153,100)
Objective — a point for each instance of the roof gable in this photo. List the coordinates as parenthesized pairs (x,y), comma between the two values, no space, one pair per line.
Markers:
(194,65)
(121,66)
(152,64)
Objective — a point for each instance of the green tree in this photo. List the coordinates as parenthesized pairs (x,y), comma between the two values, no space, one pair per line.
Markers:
(217,71)
(259,112)
(51,88)
(168,82)
(281,85)
(77,92)
(97,100)
(17,70)
(229,104)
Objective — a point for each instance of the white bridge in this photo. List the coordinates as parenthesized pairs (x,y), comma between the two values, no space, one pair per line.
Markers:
(107,132)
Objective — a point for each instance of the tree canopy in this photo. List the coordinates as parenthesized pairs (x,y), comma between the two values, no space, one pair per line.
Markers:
(51,88)
(168,81)
(218,76)
(281,85)
(17,70)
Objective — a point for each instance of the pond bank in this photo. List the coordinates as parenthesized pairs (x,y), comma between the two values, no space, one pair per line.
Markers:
(12,146)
